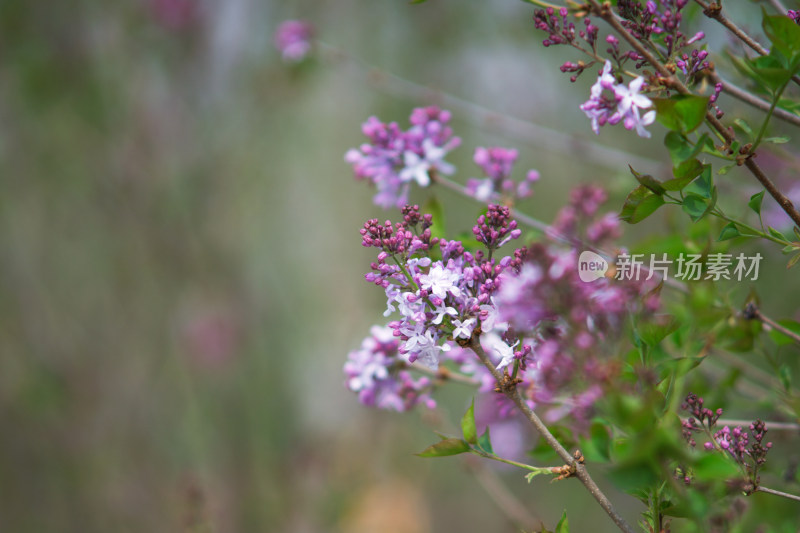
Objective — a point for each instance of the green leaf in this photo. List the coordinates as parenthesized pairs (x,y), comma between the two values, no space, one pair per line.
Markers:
(468,425)
(695,206)
(532,474)
(601,441)
(785,376)
(563,524)
(653,331)
(724,170)
(648,181)
(640,204)
(776,140)
(770,72)
(755,202)
(775,233)
(703,186)
(715,467)
(729,232)
(785,37)
(684,174)
(678,146)
(744,126)
(682,112)
(779,338)
(485,441)
(793,261)
(445,447)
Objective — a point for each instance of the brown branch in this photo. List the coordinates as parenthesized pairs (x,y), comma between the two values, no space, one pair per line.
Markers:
(714,11)
(753,100)
(580,470)
(753,312)
(669,80)
(762,488)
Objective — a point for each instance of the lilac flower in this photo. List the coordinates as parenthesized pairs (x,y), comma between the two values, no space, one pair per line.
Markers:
(598,108)
(393,158)
(629,102)
(497,164)
(463,328)
(293,40)
(373,373)
(625,106)
(440,280)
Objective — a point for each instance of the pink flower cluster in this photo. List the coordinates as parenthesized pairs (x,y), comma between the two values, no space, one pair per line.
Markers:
(438,299)
(393,158)
(736,441)
(293,40)
(611,103)
(497,164)
(529,309)
(378,376)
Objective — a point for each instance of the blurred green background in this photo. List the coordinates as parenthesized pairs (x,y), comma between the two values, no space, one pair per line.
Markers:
(181,275)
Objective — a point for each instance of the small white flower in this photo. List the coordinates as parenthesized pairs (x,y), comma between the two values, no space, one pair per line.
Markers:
(464,329)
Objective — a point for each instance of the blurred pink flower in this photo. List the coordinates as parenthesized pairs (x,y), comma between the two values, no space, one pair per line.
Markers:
(293,39)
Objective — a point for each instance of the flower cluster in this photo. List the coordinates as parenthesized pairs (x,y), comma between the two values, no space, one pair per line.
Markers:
(611,103)
(529,310)
(560,30)
(794,14)
(578,222)
(660,19)
(693,63)
(293,40)
(394,158)
(437,299)
(378,376)
(497,164)
(701,417)
(746,448)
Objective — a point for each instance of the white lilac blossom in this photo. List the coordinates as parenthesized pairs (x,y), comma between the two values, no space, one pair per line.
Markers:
(375,373)
(393,158)
(611,103)
(442,300)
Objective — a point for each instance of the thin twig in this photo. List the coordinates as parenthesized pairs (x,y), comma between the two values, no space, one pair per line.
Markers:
(580,470)
(753,100)
(794,497)
(714,11)
(504,498)
(445,374)
(779,7)
(541,136)
(752,311)
(605,13)
(772,426)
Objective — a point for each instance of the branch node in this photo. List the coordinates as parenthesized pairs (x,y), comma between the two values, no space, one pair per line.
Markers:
(508,384)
